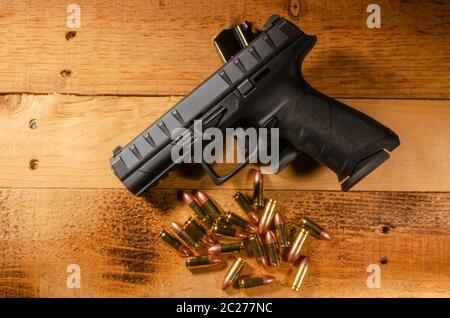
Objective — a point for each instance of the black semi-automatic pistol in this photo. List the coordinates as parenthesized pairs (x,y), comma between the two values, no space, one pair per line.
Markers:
(261,84)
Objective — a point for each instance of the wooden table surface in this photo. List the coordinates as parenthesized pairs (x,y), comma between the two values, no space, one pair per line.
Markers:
(132,60)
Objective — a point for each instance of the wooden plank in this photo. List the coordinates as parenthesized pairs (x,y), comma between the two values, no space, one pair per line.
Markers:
(164,47)
(75,137)
(112,236)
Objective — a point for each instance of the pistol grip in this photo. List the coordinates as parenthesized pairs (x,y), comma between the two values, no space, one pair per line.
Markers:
(347,141)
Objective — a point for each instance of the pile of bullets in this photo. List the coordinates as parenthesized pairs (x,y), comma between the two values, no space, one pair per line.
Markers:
(263,233)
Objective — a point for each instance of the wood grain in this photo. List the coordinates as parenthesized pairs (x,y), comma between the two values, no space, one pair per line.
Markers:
(164,47)
(72,210)
(76,135)
(113,237)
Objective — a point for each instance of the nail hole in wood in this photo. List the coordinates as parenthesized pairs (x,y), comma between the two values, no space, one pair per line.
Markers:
(34,164)
(384,260)
(33,124)
(385,229)
(294,8)
(70,35)
(66,73)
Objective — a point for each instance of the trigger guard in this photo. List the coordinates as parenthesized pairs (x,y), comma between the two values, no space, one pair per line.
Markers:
(221,179)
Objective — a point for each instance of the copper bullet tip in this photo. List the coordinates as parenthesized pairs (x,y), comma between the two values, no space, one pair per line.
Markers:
(325,235)
(185,251)
(187,197)
(202,197)
(215,249)
(270,238)
(253,218)
(214,260)
(267,279)
(226,284)
(291,256)
(278,219)
(304,263)
(176,227)
(252,228)
(209,240)
(258,176)
(240,234)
